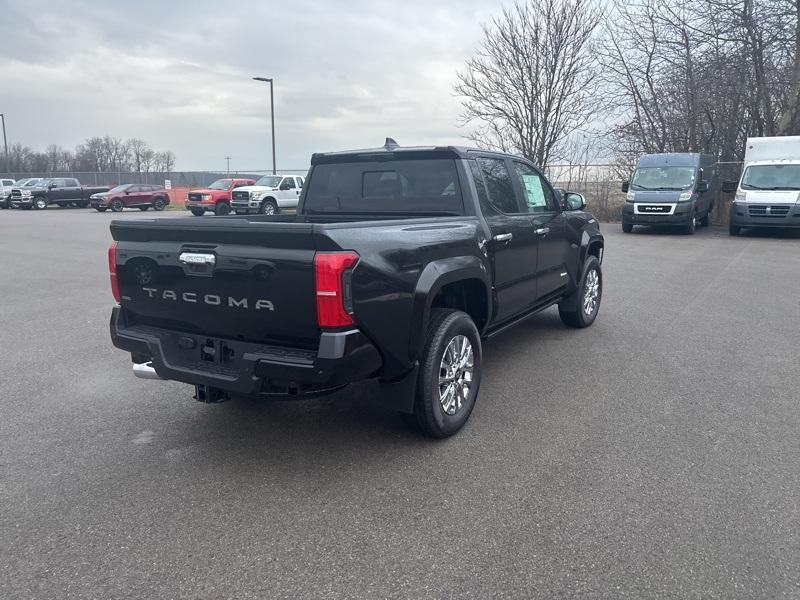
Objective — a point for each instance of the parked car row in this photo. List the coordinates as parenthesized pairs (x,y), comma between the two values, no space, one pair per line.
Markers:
(269,195)
(679,189)
(39,193)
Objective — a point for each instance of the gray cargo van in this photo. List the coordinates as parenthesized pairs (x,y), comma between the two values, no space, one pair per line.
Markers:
(671,189)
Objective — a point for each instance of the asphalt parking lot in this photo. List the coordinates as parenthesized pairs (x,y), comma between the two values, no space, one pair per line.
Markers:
(655,454)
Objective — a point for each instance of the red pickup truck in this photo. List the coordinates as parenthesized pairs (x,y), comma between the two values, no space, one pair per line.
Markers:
(216,197)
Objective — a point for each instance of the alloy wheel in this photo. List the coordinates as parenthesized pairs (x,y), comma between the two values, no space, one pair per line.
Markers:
(455,374)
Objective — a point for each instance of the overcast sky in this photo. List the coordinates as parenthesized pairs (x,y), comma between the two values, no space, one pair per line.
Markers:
(177,74)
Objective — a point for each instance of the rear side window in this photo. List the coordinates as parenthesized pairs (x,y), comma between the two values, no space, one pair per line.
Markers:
(71,183)
(499,185)
(393,186)
(7,182)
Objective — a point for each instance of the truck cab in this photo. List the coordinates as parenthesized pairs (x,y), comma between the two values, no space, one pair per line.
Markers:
(671,189)
(270,195)
(768,192)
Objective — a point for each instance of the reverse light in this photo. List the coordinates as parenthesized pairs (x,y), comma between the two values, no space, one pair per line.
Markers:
(332,276)
(112,271)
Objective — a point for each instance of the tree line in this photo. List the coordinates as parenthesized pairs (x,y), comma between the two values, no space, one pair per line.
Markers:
(95,154)
(634,77)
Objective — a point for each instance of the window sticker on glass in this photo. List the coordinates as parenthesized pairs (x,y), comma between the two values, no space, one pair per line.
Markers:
(534,194)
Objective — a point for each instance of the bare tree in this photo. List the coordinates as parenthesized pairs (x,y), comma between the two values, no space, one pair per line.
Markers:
(529,87)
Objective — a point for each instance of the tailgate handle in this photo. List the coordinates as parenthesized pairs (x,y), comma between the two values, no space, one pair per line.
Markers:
(197,258)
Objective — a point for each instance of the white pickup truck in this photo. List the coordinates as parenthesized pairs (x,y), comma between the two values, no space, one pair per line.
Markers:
(270,195)
(768,193)
(5,191)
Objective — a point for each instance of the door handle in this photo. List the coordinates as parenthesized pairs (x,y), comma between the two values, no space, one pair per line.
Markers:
(503,237)
(542,230)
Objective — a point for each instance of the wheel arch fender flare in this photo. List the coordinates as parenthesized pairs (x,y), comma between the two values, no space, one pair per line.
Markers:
(433,278)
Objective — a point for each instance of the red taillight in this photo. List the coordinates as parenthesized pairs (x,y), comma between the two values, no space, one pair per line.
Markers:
(334,301)
(112,270)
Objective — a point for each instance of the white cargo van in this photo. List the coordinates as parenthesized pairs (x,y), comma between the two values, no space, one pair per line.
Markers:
(768,194)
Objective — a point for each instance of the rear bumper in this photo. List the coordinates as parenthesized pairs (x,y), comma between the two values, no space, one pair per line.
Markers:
(741,216)
(247,368)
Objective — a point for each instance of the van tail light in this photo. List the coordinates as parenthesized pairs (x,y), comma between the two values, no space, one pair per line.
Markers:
(112,271)
(332,275)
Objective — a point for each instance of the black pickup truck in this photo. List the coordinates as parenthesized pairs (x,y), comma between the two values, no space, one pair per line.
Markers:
(397,264)
(64,191)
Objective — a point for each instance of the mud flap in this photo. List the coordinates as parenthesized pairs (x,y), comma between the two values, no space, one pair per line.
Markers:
(399,394)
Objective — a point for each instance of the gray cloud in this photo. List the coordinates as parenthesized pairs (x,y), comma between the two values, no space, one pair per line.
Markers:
(178,74)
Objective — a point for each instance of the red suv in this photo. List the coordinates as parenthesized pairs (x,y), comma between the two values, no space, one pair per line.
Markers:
(216,197)
(131,195)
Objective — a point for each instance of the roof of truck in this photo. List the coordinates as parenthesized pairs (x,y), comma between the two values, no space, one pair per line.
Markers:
(677,159)
(391,148)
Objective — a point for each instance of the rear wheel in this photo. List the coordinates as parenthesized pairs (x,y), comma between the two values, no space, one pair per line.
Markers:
(627,227)
(116,205)
(159,204)
(268,207)
(222,208)
(449,374)
(581,307)
(197,212)
(39,203)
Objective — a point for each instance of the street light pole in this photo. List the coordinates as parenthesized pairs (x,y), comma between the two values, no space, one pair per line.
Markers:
(228,159)
(272,117)
(5,141)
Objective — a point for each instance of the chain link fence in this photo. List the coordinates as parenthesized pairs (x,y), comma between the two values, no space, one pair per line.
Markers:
(601,184)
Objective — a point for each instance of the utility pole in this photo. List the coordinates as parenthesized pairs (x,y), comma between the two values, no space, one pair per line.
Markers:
(228,169)
(5,141)
(272,117)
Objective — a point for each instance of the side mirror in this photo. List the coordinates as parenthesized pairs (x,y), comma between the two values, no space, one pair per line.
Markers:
(626,185)
(702,186)
(51,186)
(127,192)
(729,186)
(574,201)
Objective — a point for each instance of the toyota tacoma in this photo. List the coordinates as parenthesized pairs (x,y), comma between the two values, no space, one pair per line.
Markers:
(398,263)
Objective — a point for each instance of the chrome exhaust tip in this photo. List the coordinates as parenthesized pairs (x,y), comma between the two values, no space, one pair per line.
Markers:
(145,371)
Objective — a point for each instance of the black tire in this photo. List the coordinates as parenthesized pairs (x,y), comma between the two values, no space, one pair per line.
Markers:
(222,208)
(706,220)
(571,310)
(691,226)
(627,228)
(159,204)
(197,212)
(446,326)
(734,230)
(5,203)
(143,208)
(40,203)
(268,207)
(101,209)
(116,205)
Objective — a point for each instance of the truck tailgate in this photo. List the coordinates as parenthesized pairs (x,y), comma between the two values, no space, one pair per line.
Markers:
(226,277)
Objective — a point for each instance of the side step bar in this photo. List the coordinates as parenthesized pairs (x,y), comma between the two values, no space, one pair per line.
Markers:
(145,371)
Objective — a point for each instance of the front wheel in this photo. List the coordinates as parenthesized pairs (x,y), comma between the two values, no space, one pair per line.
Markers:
(268,207)
(197,212)
(691,226)
(581,307)
(449,373)
(40,203)
(222,208)
(158,204)
(627,228)
(706,220)
(116,205)
(734,230)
